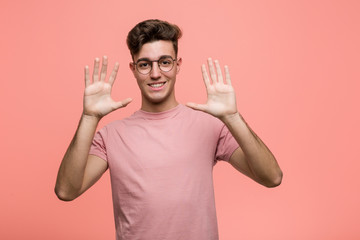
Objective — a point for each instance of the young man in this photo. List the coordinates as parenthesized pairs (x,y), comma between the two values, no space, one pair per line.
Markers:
(161,157)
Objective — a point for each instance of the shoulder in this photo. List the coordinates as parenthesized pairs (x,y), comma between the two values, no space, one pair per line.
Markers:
(201,117)
(199,114)
(123,122)
(113,126)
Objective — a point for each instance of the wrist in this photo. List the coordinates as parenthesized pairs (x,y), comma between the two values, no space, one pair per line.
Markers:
(90,118)
(231,118)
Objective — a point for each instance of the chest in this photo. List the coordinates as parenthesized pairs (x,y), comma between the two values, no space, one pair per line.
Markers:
(159,153)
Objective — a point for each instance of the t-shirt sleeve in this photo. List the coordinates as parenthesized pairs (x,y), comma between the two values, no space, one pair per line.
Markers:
(226,145)
(98,145)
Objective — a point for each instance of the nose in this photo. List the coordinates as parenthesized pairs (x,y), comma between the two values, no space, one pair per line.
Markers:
(155,71)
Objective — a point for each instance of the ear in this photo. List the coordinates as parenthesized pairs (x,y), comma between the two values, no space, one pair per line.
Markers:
(132,67)
(178,64)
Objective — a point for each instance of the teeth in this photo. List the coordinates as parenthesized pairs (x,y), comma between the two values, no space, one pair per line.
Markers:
(157,85)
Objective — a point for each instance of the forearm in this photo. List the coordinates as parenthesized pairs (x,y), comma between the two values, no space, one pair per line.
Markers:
(71,172)
(259,158)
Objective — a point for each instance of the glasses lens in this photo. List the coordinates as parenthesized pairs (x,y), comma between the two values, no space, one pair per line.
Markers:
(166,64)
(143,67)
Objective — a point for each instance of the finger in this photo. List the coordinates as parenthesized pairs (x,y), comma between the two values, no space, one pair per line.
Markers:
(96,70)
(227,75)
(195,106)
(103,68)
(212,70)
(87,76)
(205,75)
(113,74)
(122,103)
(219,73)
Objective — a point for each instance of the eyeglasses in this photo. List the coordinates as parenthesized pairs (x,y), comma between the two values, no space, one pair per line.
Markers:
(165,63)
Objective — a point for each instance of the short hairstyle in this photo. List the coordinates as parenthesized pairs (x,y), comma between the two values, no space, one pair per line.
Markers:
(152,30)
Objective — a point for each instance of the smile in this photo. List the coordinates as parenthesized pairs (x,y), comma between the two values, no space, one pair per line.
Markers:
(157,86)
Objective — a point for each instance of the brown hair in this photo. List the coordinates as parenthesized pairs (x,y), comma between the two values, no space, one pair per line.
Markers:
(152,30)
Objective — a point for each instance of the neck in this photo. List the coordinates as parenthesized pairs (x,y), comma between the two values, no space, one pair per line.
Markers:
(158,107)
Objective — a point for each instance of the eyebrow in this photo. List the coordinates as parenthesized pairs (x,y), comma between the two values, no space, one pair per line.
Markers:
(147,59)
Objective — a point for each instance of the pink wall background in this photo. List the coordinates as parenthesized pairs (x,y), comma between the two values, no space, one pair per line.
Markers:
(295,68)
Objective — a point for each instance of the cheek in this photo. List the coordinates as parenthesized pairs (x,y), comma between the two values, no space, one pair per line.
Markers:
(140,83)
(172,74)
(140,78)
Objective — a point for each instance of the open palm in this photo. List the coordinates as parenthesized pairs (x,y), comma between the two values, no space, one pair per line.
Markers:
(221,101)
(97,94)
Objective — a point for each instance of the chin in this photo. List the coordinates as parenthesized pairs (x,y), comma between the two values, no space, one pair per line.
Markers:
(156,100)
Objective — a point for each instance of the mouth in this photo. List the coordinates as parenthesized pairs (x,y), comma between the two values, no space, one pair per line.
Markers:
(157,86)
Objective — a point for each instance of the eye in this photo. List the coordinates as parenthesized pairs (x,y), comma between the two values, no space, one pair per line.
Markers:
(143,64)
(165,62)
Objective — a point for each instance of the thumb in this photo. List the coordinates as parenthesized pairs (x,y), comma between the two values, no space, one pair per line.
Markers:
(122,103)
(195,106)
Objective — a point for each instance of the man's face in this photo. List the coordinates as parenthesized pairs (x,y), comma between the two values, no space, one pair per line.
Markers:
(157,86)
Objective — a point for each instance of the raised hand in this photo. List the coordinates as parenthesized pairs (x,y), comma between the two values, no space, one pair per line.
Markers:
(221,101)
(97,94)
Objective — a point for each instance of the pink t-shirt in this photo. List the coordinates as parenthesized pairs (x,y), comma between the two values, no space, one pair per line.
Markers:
(161,173)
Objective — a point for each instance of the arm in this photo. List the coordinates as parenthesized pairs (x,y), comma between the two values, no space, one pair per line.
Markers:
(79,170)
(252,158)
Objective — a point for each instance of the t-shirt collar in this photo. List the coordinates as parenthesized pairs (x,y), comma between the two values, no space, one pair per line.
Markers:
(159,115)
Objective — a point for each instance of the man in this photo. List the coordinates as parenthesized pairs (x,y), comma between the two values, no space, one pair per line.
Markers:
(161,157)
